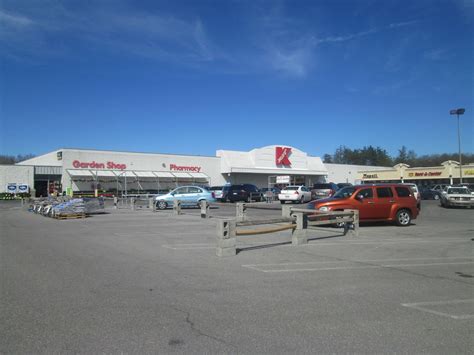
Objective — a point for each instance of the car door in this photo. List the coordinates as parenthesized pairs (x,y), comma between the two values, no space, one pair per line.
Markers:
(193,194)
(365,203)
(180,194)
(384,202)
(306,194)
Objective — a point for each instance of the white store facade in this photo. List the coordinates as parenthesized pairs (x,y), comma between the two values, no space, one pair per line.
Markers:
(83,170)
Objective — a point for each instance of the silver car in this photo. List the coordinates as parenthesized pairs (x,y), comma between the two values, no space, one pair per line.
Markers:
(457,196)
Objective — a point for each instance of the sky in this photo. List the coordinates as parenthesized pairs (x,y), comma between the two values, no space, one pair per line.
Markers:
(193,77)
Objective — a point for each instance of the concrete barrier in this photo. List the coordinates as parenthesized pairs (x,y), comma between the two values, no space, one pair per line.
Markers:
(177,207)
(298,222)
(226,238)
(204,205)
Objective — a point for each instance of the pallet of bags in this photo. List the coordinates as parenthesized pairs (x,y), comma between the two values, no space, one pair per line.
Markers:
(94,205)
(73,208)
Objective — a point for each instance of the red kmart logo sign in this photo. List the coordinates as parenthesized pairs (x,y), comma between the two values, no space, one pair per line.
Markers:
(282,156)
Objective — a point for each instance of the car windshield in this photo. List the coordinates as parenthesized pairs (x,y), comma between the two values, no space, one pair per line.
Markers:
(458,190)
(291,188)
(214,188)
(345,192)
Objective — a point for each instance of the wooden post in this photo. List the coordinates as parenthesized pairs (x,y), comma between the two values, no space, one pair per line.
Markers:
(226,239)
(299,235)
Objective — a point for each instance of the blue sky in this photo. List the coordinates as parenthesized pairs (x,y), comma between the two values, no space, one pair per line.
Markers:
(192,77)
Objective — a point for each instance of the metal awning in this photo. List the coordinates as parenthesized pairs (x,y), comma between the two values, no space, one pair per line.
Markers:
(145,174)
(104,173)
(79,172)
(126,174)
(199,176)
(163,174)
(182,175)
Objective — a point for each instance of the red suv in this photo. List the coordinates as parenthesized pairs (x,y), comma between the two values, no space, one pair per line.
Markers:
(379,202)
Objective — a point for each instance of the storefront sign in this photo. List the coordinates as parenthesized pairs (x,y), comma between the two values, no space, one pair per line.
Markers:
(95,165)
(194,169)
(425,174)
(12,188)
(282,155)
(23,188)
(370,176)
(468,172)
(283,179)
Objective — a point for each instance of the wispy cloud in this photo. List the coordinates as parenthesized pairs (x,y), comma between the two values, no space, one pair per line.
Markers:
(292,49)
(276,42)
(158,37)
(10,20)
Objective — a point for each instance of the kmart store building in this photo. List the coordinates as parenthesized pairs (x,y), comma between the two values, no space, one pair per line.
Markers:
(81,170)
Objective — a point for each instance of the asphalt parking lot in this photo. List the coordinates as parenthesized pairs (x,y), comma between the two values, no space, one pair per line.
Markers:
(143,282)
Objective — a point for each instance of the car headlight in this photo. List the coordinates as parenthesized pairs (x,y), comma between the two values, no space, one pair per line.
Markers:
(324,208)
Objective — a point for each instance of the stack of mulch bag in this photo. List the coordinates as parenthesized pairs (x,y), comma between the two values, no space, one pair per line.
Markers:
(65,206)
(74,206)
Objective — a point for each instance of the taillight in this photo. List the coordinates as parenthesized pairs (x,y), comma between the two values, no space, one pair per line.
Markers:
(296,192)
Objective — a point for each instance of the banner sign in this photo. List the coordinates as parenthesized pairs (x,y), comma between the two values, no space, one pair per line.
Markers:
(23,188)
(11,188)
(285,179)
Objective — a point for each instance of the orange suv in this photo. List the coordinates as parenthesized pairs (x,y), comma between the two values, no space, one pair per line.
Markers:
(378,202)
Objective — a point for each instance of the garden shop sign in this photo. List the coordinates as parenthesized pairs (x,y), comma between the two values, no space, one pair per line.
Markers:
(95,165)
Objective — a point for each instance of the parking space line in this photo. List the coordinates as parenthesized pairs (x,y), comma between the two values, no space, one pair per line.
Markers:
(423,306)
(189,246)
(348,268)
(363,261)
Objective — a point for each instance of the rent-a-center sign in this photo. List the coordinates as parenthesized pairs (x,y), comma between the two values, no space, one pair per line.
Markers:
(95,165)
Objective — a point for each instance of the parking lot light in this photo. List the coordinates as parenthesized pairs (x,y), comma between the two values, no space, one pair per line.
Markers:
(457,112)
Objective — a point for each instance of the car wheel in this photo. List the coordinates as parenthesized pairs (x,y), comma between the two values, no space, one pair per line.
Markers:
(161,205)
(403,218)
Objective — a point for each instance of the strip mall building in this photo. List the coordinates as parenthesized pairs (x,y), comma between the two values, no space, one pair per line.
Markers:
(83,170)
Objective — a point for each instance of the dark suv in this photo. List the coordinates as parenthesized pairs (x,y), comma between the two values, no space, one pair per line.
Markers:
(242,192)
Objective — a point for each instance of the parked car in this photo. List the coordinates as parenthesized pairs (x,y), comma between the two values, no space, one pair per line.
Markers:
(428,194)
(343,184)
(378,202)
(188,195)
(437,189)
(295,194)
(217,191)
(323,190)
(243,192)
(457,196)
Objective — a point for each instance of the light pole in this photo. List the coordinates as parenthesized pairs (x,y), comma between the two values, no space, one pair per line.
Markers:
(457,112)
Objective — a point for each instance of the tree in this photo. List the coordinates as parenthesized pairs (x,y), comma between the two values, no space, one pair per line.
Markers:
(10,159)
(7,159)
(327,158)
